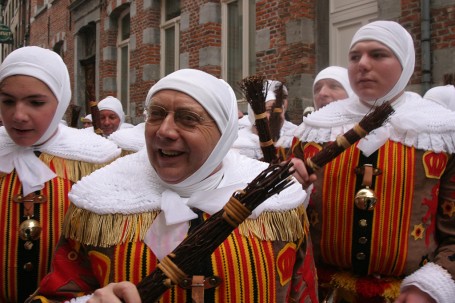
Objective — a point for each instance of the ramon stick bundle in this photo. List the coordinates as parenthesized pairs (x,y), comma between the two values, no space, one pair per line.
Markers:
(253,89)
(276,117)
(370,122)
(205,238)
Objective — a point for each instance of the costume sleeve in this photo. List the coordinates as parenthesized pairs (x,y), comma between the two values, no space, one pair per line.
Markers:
(438,278)
(70,276)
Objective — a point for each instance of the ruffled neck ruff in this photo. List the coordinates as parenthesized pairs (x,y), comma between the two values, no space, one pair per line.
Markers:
(131,139)
(416,123)
(72,144)
(130,185)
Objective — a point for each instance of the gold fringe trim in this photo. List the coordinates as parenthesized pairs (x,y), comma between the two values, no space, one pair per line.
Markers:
(73,170)
(111,229)
(277,226)
(105,230)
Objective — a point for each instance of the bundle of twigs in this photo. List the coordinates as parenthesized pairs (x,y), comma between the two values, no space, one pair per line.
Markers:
(276,117)
(255,94)
(368,123)
(96,120)
(205,238)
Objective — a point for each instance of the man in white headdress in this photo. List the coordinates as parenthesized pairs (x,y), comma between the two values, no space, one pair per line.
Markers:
(112,116)
(331,84)
(154,197)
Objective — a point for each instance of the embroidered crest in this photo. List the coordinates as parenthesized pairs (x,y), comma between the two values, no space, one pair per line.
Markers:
(434,164)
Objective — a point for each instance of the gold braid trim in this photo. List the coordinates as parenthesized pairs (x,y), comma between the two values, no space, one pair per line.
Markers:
(172,271)
(107,229)
(277,226)
(265,144)
(111,229)
(73,170)
(359,130)
(260,116)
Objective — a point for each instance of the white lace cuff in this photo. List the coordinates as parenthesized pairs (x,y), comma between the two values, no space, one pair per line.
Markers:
(434,280)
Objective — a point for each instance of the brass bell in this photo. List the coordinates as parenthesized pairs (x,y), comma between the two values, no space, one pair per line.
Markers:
(30,230)
(365,199)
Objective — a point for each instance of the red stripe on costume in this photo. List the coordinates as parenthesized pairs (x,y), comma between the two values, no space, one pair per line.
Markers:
(390,238)
(10,220)
(337,217)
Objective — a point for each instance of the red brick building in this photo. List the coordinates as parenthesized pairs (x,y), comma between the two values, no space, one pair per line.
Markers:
(122,47)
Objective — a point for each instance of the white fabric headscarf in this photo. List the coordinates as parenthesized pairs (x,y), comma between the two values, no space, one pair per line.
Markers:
(87,118)
(113,104)
(443,95)
(395,37)
(48,67)
(218,99)
(337,73)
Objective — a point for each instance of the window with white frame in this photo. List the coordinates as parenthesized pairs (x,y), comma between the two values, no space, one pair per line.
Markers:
(123,60)
(170,36)
(238,40)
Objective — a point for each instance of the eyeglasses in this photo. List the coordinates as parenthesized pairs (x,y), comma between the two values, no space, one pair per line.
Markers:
(184,118)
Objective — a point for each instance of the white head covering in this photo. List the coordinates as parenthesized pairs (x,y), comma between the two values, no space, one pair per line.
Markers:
(218,99)
(395,37)
(47,66)
(270,86)
(337,73)
(87,118)
(113,104)
(443,95)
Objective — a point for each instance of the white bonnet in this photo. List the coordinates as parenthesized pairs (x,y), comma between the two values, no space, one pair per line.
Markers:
(443,95)
(337,73)
(48,67)
(217,98)
(397,38)
(113,104)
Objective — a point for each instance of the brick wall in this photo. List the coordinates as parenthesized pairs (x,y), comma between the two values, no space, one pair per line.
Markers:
(285,39)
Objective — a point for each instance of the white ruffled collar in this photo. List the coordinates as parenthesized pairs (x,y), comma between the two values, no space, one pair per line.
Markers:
(416,122)
(67,143)
(129,185)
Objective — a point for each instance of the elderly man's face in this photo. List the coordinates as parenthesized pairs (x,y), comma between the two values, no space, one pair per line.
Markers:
(110,122)
(179,134)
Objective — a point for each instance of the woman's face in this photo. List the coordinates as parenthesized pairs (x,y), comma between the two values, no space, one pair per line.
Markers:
(373,70)
(179,135)
(27,106)
(110,121)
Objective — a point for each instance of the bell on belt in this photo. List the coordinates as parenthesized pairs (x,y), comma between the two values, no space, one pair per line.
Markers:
(365,199)
(29,230)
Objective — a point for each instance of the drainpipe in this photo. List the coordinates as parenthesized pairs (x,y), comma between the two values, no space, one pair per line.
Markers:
(425,28)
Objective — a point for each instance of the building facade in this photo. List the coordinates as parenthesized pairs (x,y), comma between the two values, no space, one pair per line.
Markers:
(122,47)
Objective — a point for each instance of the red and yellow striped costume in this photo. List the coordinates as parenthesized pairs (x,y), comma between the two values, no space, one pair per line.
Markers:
(252,269)
(398,235)
(23,268)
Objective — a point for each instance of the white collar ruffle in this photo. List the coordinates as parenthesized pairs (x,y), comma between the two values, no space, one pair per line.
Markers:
(67,143)
(416,122)
(130,185)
